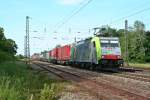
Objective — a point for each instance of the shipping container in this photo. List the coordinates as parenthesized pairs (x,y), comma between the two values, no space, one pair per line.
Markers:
(59,54)
(54,55)
(64,53)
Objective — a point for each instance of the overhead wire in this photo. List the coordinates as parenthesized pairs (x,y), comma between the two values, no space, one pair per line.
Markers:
(133,14)
(83,5)
(78,10)
(64,18)
(73,14)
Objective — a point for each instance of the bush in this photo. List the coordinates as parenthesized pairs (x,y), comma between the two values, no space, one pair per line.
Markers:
(147,58)
(49,92)
(7,90)
(18,83)
(5,56)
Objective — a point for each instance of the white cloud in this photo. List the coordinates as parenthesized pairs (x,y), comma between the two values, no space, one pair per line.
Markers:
(70,2)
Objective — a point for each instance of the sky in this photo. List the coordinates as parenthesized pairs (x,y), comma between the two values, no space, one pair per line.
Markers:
(54,22)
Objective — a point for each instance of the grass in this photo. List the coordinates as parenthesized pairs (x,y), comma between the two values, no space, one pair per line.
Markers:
(17,82)
(138,65)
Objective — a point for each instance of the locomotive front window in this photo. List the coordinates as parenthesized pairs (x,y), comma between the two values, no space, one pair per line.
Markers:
(105,44)
(109,44)
(114,45)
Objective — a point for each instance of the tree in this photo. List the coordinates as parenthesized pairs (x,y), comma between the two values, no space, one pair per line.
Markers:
(20,56)
(139,29)
(138,43)
(121,34)
(147,46)
(107,31)
(8,47)
(2,37)
(139,26)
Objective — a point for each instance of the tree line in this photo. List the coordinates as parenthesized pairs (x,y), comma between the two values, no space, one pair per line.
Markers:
(138,41)
(8,47)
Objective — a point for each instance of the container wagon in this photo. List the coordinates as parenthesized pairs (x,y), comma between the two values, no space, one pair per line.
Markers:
(54,55)
(64,54)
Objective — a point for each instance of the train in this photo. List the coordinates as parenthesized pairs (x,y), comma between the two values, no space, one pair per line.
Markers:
(92,53)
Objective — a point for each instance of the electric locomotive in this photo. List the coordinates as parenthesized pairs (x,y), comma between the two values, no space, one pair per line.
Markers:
(97,52)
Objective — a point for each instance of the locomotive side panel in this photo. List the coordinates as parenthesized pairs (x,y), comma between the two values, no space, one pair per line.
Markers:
(82,52)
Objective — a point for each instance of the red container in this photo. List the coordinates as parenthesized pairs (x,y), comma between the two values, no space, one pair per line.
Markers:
(59,54)
(64,53)
(54,53)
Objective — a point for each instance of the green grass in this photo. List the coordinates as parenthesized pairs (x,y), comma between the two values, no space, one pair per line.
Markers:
(4,56)
(138,65)
(17,82)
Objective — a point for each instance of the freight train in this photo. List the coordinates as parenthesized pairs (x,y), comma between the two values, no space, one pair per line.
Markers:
(95,52)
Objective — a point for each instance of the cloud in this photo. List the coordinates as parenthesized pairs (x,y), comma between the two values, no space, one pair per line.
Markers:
(70,2)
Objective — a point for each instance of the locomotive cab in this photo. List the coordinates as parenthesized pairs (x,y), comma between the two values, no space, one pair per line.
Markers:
(110,51)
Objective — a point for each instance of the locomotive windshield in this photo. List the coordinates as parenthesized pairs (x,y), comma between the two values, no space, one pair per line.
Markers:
(114,45)
(109,44)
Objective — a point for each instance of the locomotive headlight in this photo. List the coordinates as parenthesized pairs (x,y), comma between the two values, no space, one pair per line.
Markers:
(118,57)
(103,56)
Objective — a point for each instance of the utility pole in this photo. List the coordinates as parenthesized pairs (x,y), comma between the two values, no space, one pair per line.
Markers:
(126,43)
(25,53)
(27,41)
(69,30)
(89,30)
(75,39)
(45,29)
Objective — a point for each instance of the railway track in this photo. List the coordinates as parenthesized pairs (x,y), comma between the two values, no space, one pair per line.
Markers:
(135,76)
(135,68)
(130,74)
(97,88)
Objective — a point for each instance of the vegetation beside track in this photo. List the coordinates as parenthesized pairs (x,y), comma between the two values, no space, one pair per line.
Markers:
(138,65)
(17,82)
